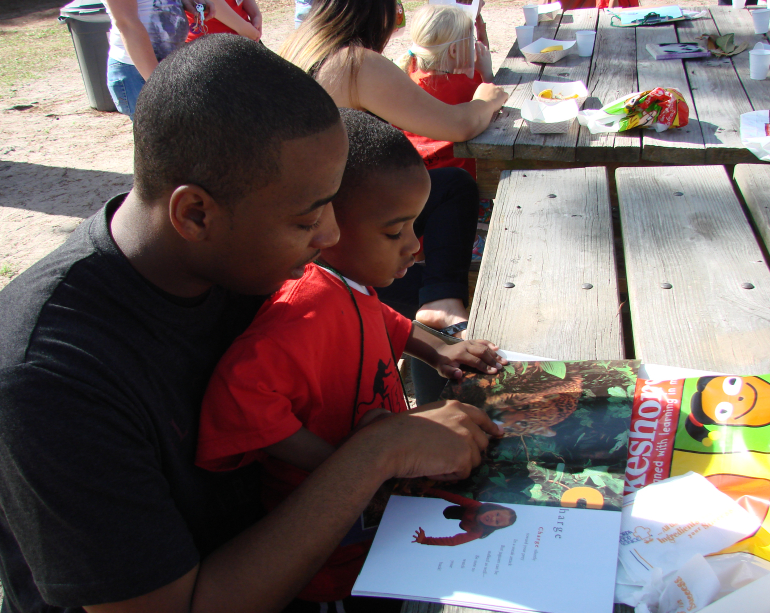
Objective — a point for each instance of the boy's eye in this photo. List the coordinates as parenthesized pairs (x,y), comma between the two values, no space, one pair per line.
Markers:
(394,237)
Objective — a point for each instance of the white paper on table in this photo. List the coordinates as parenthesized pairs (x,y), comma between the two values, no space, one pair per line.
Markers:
(754,133)
(548,8)
(666,523)
(628,17)
(751,598)
(472,8)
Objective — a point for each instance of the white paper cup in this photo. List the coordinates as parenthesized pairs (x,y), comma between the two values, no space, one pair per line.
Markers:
(761,19)
(759,64)
(585,42)
(530,14)
(739,4)
(525,35)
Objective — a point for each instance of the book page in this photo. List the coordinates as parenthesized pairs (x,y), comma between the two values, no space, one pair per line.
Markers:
(550,559)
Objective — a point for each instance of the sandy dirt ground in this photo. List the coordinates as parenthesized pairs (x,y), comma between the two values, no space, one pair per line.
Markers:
(60,160)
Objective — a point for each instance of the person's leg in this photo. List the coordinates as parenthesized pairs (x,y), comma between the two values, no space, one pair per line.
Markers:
(124,83)
(448,227)
(301,9)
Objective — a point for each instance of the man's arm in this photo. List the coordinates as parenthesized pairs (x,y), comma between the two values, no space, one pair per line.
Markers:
(266,565)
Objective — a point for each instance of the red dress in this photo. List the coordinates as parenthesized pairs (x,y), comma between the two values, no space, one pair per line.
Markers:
(569,5)
(451,89)
(469,523)
(215,26)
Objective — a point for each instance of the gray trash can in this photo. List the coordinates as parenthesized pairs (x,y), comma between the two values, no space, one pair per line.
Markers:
(89,24)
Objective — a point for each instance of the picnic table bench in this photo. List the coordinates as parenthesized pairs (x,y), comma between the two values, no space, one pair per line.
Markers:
(554,274)
(717,90)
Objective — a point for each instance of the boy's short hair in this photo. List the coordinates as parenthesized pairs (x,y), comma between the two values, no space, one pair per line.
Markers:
(214,114)
(374,146)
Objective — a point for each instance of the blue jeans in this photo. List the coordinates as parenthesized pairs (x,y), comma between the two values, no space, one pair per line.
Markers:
(124,83)
(301,9)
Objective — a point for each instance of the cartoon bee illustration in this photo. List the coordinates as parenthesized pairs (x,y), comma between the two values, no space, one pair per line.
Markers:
(727,401)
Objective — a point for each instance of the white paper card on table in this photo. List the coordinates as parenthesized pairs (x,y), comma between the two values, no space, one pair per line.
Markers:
(551,7)
(470,7)
(513,569)
(628,17)
(666,523)
(755,133)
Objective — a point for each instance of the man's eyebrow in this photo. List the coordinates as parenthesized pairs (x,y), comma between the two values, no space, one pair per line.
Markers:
(393,222)
(316,205)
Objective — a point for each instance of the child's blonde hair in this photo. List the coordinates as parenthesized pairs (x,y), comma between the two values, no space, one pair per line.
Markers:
(434,29)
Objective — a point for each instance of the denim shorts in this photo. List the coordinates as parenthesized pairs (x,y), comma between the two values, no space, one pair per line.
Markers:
(301,9)
(124,83)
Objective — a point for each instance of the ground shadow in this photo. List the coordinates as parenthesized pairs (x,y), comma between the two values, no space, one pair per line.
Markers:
(58,191)
(12,9)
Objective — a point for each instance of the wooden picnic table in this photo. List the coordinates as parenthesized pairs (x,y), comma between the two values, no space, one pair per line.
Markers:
(717,90)
(692,261)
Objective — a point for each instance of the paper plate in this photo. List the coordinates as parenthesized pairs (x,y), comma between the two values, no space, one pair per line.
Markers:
(554,119)
(547,12)
(561,91)
(533,51)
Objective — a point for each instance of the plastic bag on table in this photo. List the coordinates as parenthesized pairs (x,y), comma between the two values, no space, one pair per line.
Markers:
(660,109)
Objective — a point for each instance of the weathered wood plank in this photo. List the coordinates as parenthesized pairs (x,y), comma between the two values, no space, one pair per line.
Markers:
(754,180)
(496,142)
(718,96)
(613,74)
(549,247)
(682,145)
(559,147)
(742,25)
(684,226)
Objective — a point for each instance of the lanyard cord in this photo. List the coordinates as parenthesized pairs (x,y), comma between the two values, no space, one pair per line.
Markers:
(361,352)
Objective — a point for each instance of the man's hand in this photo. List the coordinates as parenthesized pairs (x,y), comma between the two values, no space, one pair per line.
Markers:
(442,440)
(478,354)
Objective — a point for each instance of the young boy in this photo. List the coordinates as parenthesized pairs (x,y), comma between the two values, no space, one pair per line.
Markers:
(320,359)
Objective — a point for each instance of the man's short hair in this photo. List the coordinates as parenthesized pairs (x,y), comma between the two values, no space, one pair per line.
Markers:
(374,146)
(214,114)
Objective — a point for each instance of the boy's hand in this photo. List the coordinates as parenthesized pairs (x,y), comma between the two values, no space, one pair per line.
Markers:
(479,354)
(419,536)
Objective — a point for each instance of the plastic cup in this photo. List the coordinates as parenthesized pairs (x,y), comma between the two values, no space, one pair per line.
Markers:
(761,19)
(585,42)
(739,4)
(525,35)
(531,14)
(759,64)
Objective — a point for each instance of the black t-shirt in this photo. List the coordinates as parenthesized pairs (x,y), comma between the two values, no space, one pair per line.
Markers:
(101,380)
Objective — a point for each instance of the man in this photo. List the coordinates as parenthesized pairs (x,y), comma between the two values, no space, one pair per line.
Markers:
(107,344)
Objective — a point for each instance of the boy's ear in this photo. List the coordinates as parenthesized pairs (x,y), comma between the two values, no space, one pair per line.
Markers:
(453,51)
(193,212)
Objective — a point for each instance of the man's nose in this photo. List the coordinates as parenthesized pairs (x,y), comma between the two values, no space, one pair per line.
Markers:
(328,232)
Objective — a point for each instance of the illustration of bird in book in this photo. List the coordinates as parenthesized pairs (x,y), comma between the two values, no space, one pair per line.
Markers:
(727,401)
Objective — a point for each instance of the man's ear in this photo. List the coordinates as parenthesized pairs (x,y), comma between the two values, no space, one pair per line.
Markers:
(193,212)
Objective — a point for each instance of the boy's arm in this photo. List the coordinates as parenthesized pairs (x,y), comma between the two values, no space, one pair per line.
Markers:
(302,449)
(446,359)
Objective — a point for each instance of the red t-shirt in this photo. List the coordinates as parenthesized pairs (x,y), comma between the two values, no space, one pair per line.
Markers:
(296,366)
(451,89)
(214,26)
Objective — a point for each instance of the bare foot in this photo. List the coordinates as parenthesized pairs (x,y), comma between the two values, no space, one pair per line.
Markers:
(442,313)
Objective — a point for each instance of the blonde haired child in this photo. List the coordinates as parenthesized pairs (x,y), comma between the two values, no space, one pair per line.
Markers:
(446,61)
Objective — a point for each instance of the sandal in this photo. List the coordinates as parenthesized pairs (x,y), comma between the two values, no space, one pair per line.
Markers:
(445,334)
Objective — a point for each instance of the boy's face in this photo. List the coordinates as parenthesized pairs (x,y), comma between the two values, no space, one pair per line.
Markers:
(377,241)
(275,231)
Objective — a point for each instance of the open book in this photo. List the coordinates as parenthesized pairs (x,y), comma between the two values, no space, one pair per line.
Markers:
(536,526)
